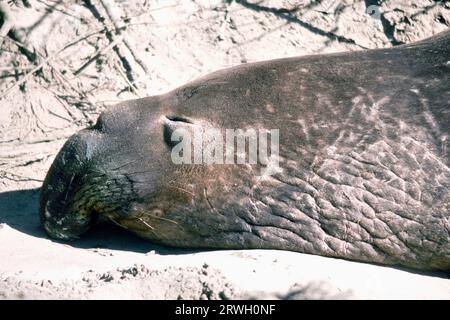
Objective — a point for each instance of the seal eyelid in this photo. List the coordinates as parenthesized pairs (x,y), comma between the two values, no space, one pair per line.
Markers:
(172,123)
(179,119)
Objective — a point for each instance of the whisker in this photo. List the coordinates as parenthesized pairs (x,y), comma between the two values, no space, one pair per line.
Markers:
(184,190)
(161,218)
(140,219)
(124,165)
(118,224)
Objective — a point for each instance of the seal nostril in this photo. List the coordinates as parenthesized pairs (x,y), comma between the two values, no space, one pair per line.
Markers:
(98,125)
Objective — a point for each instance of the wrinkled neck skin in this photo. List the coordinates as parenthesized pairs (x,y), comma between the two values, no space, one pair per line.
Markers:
(364,151)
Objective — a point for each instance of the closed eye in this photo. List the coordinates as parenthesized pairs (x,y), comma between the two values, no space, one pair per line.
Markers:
(179,119)
(172,123)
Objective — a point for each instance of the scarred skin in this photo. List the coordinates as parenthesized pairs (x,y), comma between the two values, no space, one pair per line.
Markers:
(364,152)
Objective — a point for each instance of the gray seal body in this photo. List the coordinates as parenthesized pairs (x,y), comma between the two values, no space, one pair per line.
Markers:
(363,147)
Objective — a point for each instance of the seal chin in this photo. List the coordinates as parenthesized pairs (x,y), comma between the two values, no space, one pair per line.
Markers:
(65,228)
(60,223)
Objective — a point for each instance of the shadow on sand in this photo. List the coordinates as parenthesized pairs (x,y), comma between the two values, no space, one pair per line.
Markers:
(19,210)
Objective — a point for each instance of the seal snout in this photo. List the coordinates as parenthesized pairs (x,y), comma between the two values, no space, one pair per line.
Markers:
(59,210)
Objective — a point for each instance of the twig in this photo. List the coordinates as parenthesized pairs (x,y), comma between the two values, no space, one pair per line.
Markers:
(21,178)
(113,17)
(64,79)
(40,65)
(22,47)
(25,77)
(132,87)
(15,68)
(111,37)
(98,54)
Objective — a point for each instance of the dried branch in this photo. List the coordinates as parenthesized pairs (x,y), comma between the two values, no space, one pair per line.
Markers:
(45,61)
(124,76)
(111,13)
(98,54)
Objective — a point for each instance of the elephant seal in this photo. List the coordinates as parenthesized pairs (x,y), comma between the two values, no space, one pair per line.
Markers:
(363,150)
